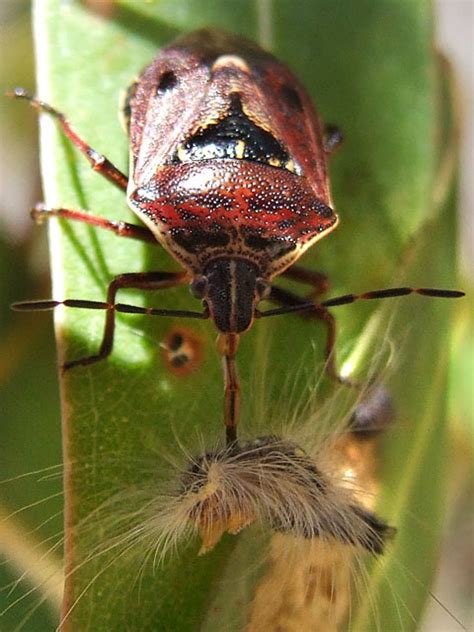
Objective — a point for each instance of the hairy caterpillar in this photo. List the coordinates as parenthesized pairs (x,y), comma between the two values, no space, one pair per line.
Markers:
(315,501)
(273,573)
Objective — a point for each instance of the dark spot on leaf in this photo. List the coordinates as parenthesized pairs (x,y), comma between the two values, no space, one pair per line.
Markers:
(180,361)
(175,342)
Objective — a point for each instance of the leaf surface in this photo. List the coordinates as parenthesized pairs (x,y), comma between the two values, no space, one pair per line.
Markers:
(121,417)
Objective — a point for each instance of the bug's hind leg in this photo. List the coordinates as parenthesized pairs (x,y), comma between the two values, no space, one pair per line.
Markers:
(98,162)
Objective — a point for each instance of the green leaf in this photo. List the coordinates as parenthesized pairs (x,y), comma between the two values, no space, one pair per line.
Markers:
(119,416)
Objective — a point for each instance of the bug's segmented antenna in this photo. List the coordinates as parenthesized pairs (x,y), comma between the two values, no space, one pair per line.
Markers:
(111,309)
(346,299)
(123,308)
(393,293)
(50,304)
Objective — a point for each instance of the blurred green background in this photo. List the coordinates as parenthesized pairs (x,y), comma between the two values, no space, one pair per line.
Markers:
(29,398)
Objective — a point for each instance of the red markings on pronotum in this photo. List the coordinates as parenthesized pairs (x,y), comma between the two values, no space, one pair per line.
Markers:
(228,173)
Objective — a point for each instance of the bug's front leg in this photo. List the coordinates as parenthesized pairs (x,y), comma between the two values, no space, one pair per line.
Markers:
(286,298)
(41,213)
(318,280)
(320,285)
(98,162)
(140,281)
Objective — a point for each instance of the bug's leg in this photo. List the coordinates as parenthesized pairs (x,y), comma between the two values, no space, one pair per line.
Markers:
(98,162)
(292,303)
(227,345)
(318,280)
(332,138)
(41,213)
(140,280)
(135,280)
(320,284)
(286,299)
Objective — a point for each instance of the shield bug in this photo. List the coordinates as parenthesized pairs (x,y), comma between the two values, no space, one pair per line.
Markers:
(228,172)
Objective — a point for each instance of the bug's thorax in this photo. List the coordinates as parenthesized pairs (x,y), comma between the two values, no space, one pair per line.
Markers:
(230,288)
(229,207)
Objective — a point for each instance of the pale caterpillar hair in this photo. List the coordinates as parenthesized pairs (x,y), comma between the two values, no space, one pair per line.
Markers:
(301,485)
(269,480)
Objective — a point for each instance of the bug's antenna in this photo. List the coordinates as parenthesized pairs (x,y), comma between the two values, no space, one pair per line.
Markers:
(110,308)
(123,308)
(345,299)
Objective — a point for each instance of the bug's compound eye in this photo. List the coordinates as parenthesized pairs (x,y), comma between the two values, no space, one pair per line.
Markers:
(263,288)
(198,287)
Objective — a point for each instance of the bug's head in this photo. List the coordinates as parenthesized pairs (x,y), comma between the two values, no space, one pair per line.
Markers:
(231,287)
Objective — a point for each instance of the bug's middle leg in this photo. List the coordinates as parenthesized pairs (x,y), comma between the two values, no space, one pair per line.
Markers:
(133,280)
(41,212)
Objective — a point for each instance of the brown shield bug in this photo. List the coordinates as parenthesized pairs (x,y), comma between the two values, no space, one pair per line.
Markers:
(228,172)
